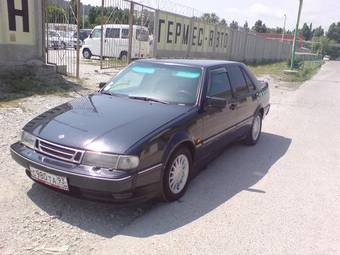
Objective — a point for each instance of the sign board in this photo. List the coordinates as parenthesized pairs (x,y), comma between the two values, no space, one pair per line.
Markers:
(180,36)
(17,22)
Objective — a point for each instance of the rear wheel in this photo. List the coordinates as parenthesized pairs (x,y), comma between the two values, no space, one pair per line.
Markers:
(123,56)
(87,53)
(63,45)
(177,174)
(255,132)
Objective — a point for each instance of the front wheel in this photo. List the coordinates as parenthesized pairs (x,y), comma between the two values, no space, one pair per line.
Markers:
(255,132)
(123,56)
(87,53)
(177,174)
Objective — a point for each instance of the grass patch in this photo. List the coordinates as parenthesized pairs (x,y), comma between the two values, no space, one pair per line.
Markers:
(306,70)
(24,84)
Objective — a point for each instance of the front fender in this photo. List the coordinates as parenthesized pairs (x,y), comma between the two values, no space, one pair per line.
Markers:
(174,142)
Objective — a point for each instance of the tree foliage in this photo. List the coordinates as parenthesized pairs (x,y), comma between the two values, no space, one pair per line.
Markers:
(306,32)
(234,24)
(259,27)
(210,18)
(317,32)
(246,26)
(334,32)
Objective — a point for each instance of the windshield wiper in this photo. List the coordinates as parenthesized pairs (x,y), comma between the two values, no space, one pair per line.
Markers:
(111,93)
(149,99)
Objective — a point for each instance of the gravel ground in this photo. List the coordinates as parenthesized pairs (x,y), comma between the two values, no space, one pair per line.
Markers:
(36,220)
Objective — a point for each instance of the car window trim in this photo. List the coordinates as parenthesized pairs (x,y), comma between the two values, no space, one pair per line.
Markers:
(235,92)
(245,74)
(219,69)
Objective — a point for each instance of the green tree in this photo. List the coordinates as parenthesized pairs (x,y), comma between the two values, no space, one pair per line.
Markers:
(307,31)
(260,27)
(55,14)
(234,24)
(317,32)
(210,18)
(334,32)
(246,26)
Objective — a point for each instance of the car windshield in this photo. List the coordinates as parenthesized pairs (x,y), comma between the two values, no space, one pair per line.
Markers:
(157,82)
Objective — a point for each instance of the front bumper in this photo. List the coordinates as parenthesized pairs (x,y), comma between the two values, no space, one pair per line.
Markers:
(84,181)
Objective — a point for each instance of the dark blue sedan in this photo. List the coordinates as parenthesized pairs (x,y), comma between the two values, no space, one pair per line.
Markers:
(146,132)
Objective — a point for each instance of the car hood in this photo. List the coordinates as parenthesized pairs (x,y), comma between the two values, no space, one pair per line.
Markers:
(102,123)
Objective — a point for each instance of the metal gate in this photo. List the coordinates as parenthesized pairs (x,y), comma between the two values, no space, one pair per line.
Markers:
(127,32)
(61,35)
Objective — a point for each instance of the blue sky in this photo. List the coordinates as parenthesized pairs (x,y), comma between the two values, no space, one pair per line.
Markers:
(319,12)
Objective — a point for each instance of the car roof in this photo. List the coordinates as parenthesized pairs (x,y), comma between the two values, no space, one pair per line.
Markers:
(189,62)
(119,26)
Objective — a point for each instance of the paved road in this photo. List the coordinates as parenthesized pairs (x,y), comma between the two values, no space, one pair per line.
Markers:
(280,197)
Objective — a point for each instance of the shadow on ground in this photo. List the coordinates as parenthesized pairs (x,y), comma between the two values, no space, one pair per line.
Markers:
(238,168)
(25,84)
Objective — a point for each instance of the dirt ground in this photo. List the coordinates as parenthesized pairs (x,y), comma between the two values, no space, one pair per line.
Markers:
(36,220)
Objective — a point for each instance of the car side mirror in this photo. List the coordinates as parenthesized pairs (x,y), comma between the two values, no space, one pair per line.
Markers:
(101,85)
(216,102)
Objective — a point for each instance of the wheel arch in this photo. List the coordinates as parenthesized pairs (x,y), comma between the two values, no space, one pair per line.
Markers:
(177,141)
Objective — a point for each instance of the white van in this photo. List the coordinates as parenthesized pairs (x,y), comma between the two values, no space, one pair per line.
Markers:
(116,41)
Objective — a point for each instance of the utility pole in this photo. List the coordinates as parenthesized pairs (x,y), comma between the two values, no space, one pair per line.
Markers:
(284,28)
(292,59)
(130,31)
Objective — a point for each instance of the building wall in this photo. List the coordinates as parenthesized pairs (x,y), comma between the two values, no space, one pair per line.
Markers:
(212,41)
(21,37)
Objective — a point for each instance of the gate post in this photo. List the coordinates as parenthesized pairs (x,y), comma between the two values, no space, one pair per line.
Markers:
(102,36)
(130,31)
(78,31)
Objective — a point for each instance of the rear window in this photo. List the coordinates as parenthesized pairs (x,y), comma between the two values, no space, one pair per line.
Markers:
(142,35)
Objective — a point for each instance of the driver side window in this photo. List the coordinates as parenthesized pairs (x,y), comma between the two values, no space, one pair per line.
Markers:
(96,33)
(219,85)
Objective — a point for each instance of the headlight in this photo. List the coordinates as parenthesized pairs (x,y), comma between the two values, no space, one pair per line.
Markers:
(110,160)
(27,139)
(127,162)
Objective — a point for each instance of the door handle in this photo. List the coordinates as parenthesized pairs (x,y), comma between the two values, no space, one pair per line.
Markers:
(232,106)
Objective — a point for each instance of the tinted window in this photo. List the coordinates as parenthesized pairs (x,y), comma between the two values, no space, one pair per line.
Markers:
(125,33)
(96,33)
(142,35)
(112,33)
(237,79)
(170,83)
(248,80)
(219,85)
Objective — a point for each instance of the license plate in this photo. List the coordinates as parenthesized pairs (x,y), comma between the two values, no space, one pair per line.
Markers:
(59,182)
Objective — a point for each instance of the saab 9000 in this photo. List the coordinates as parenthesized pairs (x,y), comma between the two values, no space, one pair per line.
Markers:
(146,132)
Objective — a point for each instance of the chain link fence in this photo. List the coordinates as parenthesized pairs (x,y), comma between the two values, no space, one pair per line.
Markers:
(61,38)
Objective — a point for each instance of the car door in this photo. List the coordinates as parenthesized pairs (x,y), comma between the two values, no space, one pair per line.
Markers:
(112,37)
(217,121)
(244,103)
(94,42)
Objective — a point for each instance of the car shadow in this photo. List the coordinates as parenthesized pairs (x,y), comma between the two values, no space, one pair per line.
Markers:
(236,169)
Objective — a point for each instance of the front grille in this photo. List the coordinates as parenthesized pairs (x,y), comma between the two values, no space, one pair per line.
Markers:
(59,151)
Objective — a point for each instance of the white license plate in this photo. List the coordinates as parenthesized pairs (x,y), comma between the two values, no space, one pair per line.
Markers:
(55,181)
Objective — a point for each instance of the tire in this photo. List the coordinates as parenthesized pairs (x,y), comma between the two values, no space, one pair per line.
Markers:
(87,53)
(123,56)
(255,131)
(174,188)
